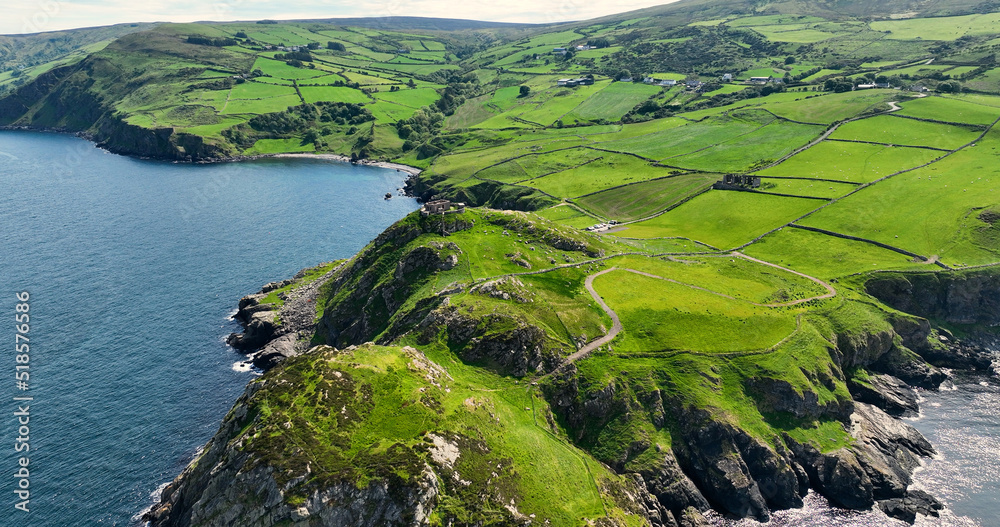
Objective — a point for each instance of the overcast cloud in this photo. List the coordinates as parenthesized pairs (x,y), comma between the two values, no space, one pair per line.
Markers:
(32,16)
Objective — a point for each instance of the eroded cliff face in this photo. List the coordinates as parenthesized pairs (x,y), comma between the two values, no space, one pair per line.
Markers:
(715,462)
(970,299)
(966,298)
(66,99)
(240,480)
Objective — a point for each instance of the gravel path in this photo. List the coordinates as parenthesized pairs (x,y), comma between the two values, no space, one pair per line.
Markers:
(299,310)
(617,325)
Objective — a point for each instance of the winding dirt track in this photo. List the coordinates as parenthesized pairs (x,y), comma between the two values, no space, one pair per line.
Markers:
(616,322)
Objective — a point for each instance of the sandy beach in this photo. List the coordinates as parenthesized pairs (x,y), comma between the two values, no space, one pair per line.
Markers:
(336,157)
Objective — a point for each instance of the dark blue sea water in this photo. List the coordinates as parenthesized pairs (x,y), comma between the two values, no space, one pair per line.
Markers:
(134,268)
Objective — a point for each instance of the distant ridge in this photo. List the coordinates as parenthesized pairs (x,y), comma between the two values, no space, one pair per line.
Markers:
(412,22)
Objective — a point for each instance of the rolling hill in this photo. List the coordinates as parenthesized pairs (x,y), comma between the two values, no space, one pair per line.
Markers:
(702,250)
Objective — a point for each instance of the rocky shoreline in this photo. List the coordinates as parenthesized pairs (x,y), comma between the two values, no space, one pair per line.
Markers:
(717,465)
(712,463)
(409,170)
(273,333)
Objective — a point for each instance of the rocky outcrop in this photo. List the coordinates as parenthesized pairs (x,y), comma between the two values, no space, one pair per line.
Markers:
(506,288)
(776,395)
(876,468)
(907,508)
(504,343)
(231,485)
(735,471)
(892,395)
(272,332)
(967,298)
(838,475)
(970,298)
(886,351)
(586,410)
(364,300)
(120,137)
(482,193)
(665,480)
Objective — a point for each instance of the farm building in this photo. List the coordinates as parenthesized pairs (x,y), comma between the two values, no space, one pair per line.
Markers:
(441,206)
(737,181)
(582,81)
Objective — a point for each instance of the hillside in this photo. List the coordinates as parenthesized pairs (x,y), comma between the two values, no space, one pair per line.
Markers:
(708,249)
(24,57)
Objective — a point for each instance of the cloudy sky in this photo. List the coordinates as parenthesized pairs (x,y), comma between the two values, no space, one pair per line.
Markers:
(32,16)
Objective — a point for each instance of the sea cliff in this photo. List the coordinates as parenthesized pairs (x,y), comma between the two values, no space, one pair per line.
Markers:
(391,338)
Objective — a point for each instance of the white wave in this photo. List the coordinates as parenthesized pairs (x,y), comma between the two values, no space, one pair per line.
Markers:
(243,366)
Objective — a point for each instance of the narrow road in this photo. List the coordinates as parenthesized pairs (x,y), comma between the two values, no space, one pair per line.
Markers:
(617,325)
(830,291)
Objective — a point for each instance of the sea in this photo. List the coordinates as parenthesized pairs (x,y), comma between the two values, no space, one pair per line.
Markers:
(133,270)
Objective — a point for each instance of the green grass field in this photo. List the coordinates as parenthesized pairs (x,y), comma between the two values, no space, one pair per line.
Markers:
(742,153)
(805,187)
(280,70)
(829,108)
(333,93)
(686,139)
(659,316)
(640,200)
(941,28)
(612,102)
(988,82)
(854,162)
(568,215)
(610,171)
(724,219)
(728,275)
(827,256)
(258,90)
(277,146)
(536,165)
(947,197)
(264,105)
(949,110)
(905,132)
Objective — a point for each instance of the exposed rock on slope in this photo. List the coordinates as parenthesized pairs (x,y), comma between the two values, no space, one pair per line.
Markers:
(746,435)
(240,480)
(273,332)
(970,298)
(309,444)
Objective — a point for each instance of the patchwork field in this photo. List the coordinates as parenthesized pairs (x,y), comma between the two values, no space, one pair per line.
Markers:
(689,297)
(724,219)
(854,162)
(827,256)
(949,110)
(906,132)
(950,198)
(632,202)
